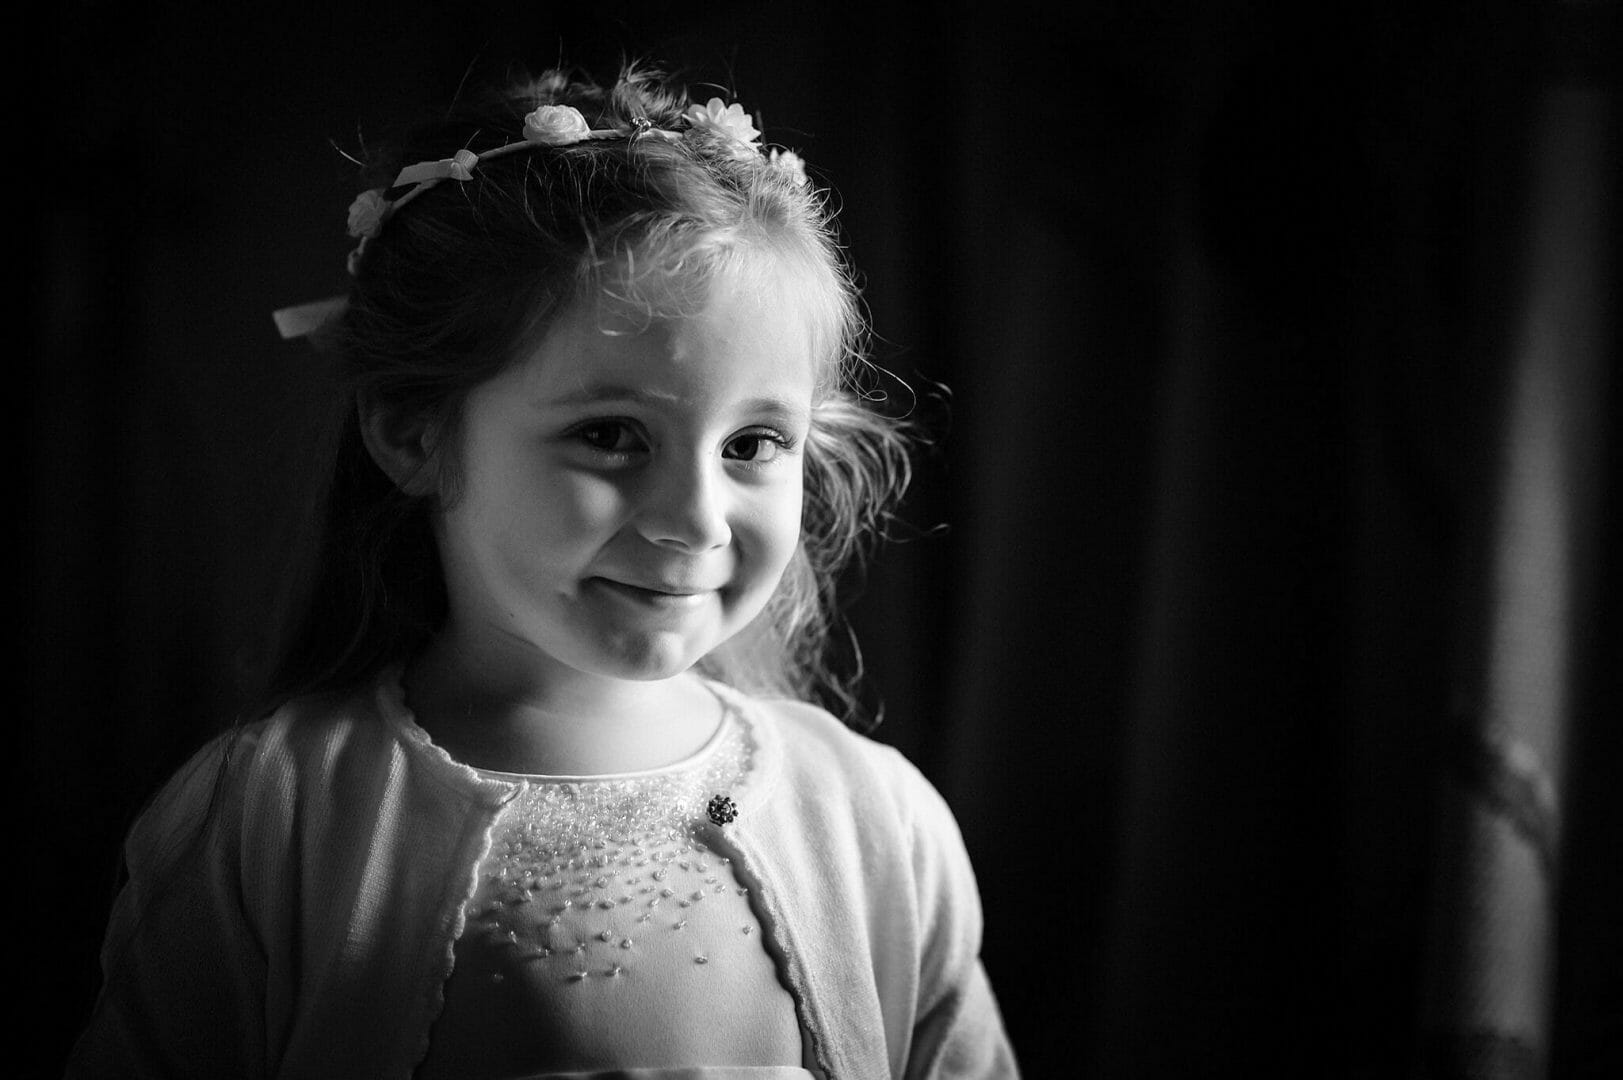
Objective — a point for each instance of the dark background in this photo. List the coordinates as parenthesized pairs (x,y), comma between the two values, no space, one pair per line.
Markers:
(1225,297)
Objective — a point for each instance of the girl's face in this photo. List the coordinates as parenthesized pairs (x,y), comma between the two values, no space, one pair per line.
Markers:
(631,489)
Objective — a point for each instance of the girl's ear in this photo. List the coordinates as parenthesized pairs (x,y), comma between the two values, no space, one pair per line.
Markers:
(401,443)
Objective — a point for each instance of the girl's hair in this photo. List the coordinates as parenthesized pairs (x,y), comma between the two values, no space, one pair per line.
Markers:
(454,286)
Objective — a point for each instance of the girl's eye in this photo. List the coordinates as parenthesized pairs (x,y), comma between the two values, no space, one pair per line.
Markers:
(755,447)
(609,436)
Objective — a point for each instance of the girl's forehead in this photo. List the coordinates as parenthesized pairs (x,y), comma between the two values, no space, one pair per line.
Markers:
(768,309)
(791,285)
(745,336)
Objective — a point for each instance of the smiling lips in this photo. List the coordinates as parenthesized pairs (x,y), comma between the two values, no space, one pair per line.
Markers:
(660,596)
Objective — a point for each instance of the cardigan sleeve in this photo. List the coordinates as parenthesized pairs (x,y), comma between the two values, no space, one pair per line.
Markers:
(183,978)
(958,1031)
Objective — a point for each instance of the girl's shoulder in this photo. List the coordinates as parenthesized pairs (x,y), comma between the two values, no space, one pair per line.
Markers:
(812,735)
(315,733)
(809,747)
(314,760)
(215,779)
(318,744)
(360,741)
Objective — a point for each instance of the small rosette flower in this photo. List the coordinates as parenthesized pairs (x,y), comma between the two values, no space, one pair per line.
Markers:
(555,125)
(729,120)
(791,163)
(366,213)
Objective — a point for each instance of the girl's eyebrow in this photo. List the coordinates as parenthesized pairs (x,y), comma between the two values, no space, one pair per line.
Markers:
(638,395)
(591,395)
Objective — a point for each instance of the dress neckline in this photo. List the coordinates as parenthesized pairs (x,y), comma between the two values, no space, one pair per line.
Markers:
(742,715)
(692,761)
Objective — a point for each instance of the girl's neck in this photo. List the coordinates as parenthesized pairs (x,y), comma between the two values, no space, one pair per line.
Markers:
(544,718)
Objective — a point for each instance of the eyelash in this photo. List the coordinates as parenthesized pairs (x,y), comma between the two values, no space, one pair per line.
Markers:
(782,443)
(580,433)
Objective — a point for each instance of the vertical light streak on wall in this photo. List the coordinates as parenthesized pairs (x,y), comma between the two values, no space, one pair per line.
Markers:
(1493,977)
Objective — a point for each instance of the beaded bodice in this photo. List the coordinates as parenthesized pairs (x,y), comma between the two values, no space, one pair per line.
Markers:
(608,924)
(578,869)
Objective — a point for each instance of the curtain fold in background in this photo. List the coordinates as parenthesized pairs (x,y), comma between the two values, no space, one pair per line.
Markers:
(1304,771)
(1531,661)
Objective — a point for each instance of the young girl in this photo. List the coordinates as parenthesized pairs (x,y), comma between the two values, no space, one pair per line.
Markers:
(539,798)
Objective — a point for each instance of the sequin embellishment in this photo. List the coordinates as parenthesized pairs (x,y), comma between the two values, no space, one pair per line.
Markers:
(722,810)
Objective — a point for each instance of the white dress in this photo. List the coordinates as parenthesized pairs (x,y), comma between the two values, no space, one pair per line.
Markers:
(604,938)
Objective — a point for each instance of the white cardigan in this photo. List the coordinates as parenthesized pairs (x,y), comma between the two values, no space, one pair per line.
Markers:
(305,927)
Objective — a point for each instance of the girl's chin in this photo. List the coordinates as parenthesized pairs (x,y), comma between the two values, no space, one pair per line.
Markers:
(650,657)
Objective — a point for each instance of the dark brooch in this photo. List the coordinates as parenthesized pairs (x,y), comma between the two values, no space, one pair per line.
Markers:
(722,810)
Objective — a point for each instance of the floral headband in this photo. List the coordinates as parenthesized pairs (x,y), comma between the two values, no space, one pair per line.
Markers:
(549,125)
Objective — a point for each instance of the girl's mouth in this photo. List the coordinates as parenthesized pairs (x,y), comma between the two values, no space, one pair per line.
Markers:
(662,596)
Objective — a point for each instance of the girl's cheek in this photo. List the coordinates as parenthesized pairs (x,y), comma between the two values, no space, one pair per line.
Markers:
(776,516)
(584,500)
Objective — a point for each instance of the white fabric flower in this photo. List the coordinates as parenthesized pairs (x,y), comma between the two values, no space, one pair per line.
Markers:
(791,163)
(555,125)
(367,212)
(730,120)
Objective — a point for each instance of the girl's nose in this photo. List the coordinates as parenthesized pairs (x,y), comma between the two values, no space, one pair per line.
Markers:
(685,507)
